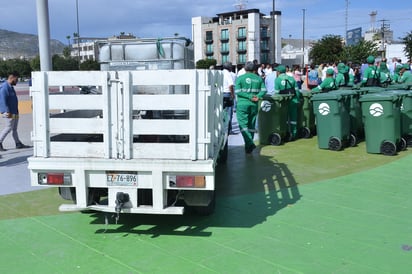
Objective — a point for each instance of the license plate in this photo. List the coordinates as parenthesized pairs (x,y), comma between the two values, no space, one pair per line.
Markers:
(121,179)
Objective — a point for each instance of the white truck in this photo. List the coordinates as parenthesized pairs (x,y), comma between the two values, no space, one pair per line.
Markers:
(147,141)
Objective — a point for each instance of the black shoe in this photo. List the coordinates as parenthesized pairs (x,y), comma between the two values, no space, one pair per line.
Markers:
(250,149)
(21,145)
(1,147)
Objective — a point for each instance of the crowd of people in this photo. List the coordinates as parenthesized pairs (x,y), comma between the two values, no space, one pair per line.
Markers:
(243,90)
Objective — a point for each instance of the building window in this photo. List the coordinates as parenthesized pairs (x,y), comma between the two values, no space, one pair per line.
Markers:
(264,45)
(209,49)
(224,34)
(225,58)
(241,33)
(209,35)
(264,32)
(264,57)
(241,58)
(241,45)
(224,49)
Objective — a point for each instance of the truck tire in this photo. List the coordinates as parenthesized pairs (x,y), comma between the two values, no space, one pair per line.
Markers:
(223,154)
(68,193)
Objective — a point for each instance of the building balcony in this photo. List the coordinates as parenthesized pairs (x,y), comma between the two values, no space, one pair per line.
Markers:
(224,51)
(241,37)
(209,40)
(265,37)
(264,49)
(224,39)
(209,53)
(240,50)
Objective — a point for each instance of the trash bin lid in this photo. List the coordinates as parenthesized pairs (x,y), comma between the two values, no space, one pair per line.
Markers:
(277,97)
(344,92)
(383,96)
(326,96)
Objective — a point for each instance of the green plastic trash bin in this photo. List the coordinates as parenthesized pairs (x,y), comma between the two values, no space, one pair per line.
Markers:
(406,118)
(332,120)
(381,113)
(306,117)
(273,115)
(351,99)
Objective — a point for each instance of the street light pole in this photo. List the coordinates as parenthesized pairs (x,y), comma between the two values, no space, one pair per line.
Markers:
(273,31)
(78,33)
(303,38)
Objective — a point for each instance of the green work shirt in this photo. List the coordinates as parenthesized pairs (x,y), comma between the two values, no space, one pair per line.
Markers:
(406,77)
(370,73)
(340,80)
(327,85)
(247,86)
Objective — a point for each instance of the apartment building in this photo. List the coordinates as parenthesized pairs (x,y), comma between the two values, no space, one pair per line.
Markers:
(238,37)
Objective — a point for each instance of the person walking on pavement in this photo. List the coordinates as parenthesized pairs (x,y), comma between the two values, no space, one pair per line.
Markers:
(249,88)
(228,92)
(285,84)
(9,110)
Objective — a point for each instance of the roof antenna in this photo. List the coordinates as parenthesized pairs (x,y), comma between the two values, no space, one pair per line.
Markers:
(241,4)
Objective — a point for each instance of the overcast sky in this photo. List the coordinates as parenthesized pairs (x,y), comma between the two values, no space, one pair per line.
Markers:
(160,18)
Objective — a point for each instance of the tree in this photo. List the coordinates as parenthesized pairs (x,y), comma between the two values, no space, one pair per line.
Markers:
(35,63)
(358,53)
(205,63)
(328,49)
(61,63)
(90,65)
(66,52)
(407,41)
(22,66)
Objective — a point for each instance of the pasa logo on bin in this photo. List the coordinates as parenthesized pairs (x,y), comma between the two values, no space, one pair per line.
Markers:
(324,109)
(376,109)
(265,106)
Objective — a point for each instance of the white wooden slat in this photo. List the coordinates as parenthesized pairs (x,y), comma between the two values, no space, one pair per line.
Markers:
(161,127)
(169,77)
(158,102)
(75,78)
(76,125)
(77,149)
(66,101)
(161,151)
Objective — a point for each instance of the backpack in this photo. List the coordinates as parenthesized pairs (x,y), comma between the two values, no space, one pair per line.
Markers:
(290,90)
(313,78)
(375,80)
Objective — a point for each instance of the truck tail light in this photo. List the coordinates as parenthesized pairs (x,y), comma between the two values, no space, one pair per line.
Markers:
(54,179)
(188,181)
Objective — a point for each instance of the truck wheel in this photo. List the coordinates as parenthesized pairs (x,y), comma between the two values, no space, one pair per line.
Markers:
(275,139)
(223,154)
(206,210)
(335,144)
(68,193)
(388,148)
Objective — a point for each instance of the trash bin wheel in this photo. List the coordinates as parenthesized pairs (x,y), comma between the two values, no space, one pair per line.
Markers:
(335,144)
(353,141)
(388,148)
(402,144)
(408,140)
(305,133)
(275,139)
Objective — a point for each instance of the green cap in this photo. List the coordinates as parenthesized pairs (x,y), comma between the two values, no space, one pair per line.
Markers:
(370,59)
(406,66)
(330,71)
(281,68)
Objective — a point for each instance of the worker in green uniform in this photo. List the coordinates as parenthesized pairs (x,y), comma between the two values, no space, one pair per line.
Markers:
(370,76)
(406,75)
(328,84)
(249,88)
(343,78)
(384,74)
(396,74)
(285,84)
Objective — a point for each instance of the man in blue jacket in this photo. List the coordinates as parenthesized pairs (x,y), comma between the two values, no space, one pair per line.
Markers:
(9,110)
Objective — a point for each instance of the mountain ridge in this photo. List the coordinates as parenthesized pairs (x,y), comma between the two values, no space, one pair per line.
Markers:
(22,45)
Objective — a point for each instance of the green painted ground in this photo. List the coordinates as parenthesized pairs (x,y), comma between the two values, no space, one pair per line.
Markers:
(268,219)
